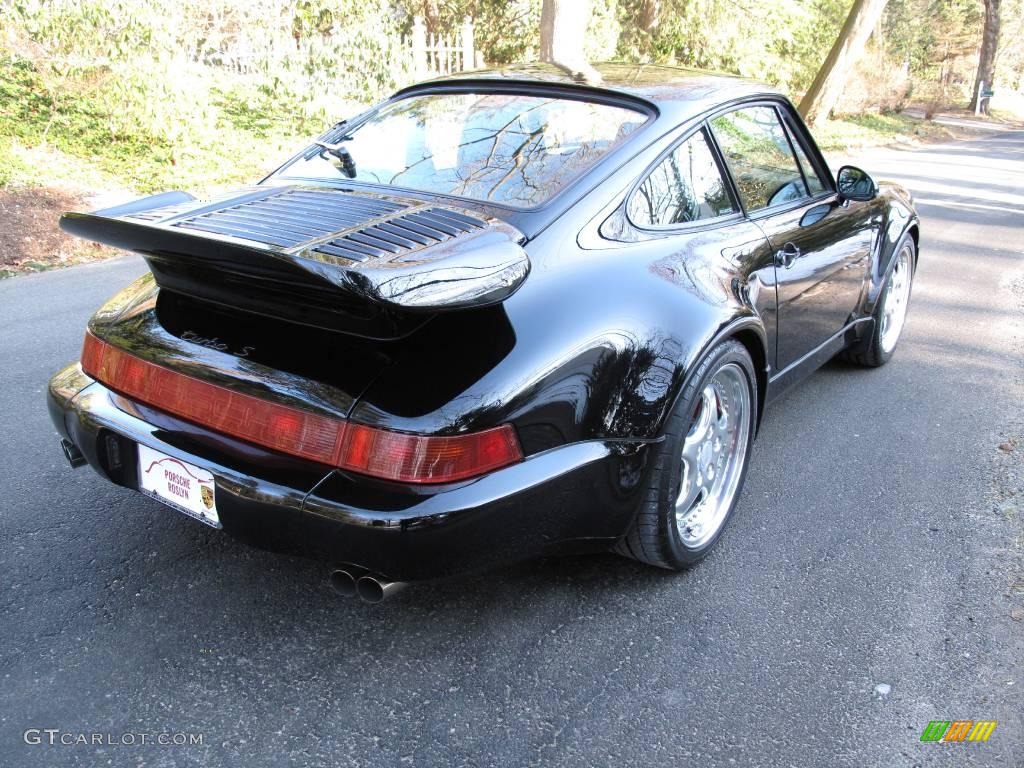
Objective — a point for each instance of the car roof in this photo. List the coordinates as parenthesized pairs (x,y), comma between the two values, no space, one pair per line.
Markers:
(672,91)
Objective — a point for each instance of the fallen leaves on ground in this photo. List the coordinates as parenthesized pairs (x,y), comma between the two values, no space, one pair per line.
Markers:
(31,240)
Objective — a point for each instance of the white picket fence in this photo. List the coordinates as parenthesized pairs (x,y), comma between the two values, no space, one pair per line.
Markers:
(428,55)
(434,55)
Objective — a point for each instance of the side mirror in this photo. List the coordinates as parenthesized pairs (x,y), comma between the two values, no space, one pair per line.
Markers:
(855,184)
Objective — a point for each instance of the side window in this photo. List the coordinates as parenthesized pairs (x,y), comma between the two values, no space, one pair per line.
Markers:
(686,186)
(814,181)
(758,153)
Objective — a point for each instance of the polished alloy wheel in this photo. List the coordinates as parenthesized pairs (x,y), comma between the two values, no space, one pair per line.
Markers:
(897,296)
(713,455)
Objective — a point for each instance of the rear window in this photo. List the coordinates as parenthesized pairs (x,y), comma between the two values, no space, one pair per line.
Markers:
(503,148)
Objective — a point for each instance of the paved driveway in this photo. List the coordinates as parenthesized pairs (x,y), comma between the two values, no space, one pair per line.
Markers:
(874,545)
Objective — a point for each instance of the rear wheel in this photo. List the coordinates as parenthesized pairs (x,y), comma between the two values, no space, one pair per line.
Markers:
(890,311)
(700,466)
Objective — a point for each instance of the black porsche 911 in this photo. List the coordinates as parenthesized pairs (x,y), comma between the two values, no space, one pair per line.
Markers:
(500,315)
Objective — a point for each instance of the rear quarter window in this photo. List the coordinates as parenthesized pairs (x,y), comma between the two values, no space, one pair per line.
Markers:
(686,186)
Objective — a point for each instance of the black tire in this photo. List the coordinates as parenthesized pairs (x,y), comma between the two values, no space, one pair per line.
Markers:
(870,351)
(654,537)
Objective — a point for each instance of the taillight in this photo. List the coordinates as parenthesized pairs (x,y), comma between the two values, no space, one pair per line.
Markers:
(357,447)
(427,459)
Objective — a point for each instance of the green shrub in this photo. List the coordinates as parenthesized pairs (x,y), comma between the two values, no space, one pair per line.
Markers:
(185,94)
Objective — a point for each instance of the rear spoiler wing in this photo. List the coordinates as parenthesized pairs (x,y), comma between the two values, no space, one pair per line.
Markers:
(402,253)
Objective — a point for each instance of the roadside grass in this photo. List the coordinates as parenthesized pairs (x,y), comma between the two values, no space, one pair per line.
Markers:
(1007,117)
(1008,107)
(861,131)
(147,136)
(97,137)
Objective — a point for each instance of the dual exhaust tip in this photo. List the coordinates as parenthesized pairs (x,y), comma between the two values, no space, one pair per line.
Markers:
(352,581)
(72,454)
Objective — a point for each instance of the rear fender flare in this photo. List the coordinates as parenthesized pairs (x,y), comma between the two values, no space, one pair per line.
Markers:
(750,332)
(617,414)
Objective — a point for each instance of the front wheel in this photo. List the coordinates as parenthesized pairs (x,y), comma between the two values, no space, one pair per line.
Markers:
(700,466)
(890,311)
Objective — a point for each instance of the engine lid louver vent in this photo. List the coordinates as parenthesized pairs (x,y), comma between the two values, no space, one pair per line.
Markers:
(314,253)
(291,218)
(182,206)
(402,233)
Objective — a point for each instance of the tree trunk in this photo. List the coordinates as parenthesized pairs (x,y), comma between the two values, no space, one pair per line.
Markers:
(650,12)
(432,17)
(563,27)
(828,84)
(650,16)
(987,58)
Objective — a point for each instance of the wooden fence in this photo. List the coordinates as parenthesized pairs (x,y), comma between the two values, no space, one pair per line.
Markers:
(434,55)
(425,55)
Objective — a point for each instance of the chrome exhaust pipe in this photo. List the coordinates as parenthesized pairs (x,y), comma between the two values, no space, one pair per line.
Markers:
(72,454)
(376,589)
(344,578)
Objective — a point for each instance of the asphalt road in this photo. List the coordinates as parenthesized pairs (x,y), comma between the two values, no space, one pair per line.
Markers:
(878,542)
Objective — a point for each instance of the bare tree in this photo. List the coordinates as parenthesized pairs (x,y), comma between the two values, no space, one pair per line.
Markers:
(563,28)
(987,57)
(828,84)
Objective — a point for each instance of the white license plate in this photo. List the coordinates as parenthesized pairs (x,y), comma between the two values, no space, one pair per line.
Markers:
(186,487)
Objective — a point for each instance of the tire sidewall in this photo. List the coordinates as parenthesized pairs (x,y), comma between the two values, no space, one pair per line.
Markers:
(678,426)
(881,355)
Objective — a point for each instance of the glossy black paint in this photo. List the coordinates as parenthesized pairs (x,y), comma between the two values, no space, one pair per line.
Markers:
(544,505)
(821,272)
(354,261)
(585,359)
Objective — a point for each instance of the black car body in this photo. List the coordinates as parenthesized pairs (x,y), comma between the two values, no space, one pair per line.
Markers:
(562,331)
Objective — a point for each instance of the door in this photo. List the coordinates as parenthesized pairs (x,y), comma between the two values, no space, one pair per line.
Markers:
(822,248)
(688,206)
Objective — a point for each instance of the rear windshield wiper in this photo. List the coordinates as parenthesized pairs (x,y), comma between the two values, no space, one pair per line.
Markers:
(332,135)
(338,151)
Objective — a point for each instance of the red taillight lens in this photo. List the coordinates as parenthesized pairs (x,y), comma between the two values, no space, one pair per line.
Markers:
(259,421)
(356,447)
(422,459)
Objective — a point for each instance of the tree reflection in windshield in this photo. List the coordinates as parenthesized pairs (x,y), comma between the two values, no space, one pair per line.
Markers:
(505,148)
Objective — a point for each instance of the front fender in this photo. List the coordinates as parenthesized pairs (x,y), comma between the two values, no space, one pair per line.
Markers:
(898,218)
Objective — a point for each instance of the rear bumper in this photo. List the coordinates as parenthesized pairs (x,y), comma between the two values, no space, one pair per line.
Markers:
(579,497)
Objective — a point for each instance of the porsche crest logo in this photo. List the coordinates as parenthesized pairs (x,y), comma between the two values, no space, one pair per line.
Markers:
(207,494)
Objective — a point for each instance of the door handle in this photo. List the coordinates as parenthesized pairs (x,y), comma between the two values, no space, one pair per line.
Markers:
(784,256)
